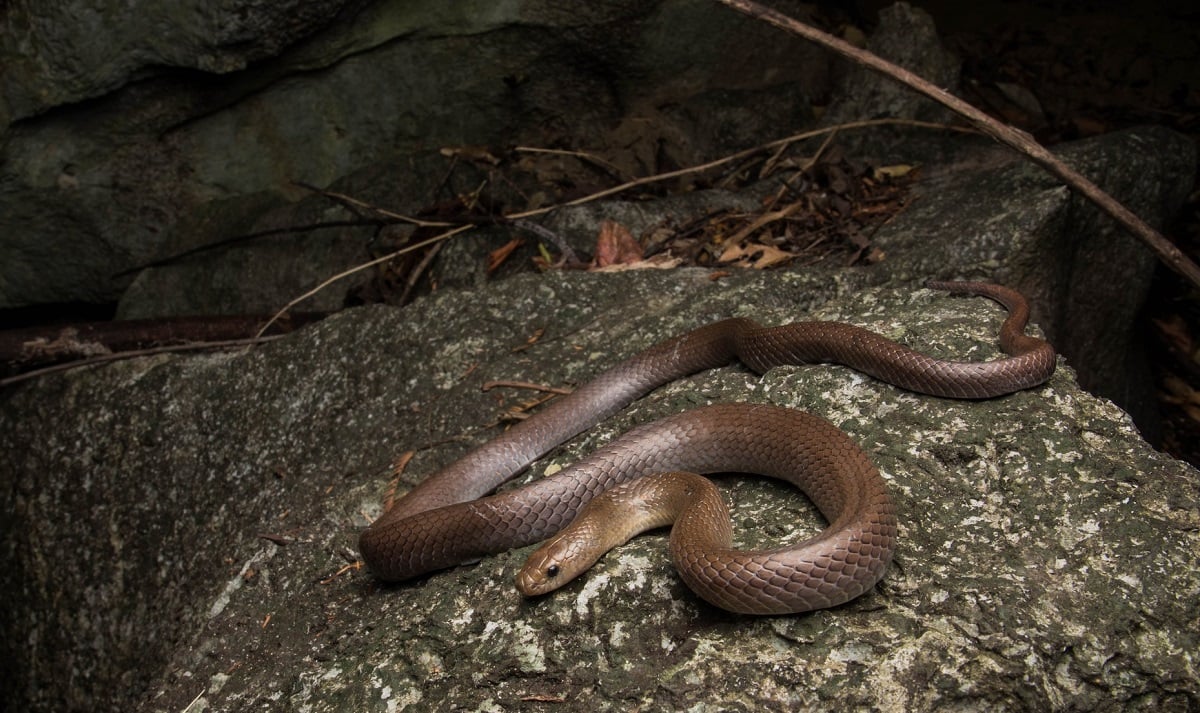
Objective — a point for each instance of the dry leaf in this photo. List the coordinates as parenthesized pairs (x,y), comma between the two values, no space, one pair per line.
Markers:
(1182,395)
(497,257)
(732,253)
(899,170)
(616,245)
(765,219)
(769,256)
(755,256)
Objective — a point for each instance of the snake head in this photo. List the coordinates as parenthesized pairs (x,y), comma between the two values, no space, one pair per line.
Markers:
(608,520)
(559,560)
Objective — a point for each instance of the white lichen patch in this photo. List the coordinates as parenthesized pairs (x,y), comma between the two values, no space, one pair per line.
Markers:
(1071,533)
(666,643)
(451,362)
(431,662)
(519,639)
(617,637)
(216,682)
(234,583)
(409,694)
(595,583)
(852,652)
(888,674)
(464,619)
(1053,453)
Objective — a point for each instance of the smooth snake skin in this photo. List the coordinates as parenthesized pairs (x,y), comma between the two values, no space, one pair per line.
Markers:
(446,520)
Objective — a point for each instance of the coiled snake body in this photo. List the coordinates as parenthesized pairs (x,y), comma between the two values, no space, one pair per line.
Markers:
(446,520)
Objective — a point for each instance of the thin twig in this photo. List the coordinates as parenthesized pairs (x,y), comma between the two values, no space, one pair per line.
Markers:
(410,282)
(1011,136)
(659,177)
(569,255)
(521,412)
(243,238)
(358,268)
(130,354)
(761,221)
(198,696)
(489,385)
(356,203)
(608,167)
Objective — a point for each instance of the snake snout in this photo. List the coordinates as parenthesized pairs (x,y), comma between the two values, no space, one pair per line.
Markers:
(544,571)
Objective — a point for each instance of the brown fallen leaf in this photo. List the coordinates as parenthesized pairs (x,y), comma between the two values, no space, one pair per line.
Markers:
(615,245)
(497,257)
(764,220)
(754,255)
(899,170)
(769,256)
(732,253)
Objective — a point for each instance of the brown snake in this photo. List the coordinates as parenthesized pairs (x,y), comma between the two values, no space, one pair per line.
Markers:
(446,521)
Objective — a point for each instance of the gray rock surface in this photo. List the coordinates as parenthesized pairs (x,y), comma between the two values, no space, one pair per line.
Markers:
(1049,559)
(907,37)
(64,51)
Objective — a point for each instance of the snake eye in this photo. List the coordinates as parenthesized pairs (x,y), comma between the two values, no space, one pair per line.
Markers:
(552,571)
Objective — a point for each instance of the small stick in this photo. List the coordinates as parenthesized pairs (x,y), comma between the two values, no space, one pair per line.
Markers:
(116,356)
(488,386)
(356,203)
(737,157)
(582,155)
(414,275)
(344,273)
(542,231)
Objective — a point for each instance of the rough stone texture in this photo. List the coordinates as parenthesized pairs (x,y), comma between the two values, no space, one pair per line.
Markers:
(56,52)
(908,38)
(1049,559)
(258,276)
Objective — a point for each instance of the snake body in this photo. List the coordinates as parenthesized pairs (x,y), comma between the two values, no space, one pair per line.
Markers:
(446,520)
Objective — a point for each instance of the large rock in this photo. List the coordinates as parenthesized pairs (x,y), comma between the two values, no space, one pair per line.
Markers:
(179,524)
(162,161)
